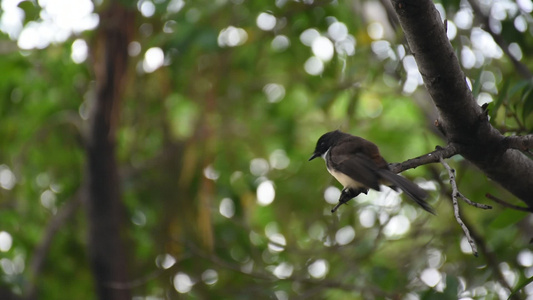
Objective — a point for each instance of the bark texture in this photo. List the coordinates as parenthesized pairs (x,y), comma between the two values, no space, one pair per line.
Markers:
(464,123)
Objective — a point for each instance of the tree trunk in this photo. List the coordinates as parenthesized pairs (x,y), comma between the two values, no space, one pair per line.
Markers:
(461,119)
(105,209)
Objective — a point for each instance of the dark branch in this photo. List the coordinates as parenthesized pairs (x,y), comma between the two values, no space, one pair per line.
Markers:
(508,205)
(425,159)
(41,251)
(521,143)
(461,120)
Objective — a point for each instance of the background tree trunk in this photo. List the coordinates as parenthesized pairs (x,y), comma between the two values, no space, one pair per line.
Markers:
(105,210)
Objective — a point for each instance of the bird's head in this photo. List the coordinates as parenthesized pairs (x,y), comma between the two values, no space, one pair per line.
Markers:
(325,142)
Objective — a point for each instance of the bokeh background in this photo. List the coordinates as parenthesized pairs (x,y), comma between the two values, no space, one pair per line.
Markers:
(222,105)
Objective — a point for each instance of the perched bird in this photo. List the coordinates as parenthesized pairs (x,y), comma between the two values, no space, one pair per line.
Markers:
(358,166)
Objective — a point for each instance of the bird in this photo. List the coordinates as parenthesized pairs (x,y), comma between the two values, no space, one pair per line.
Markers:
(358,165)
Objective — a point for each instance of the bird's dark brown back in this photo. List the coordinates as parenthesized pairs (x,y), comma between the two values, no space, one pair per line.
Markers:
(358,145)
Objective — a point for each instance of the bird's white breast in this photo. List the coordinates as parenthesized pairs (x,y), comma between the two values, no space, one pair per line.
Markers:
(344,179)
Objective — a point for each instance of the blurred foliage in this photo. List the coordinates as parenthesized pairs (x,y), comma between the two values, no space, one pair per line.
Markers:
(230,118)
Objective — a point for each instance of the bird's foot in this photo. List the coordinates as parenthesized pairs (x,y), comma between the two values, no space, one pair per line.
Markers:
(348,194)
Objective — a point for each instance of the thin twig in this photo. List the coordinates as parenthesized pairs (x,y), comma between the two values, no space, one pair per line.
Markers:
(508,205)
(474,204)
(455,194)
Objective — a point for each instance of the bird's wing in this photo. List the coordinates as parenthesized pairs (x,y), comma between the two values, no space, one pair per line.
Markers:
(357,166)
(360,160)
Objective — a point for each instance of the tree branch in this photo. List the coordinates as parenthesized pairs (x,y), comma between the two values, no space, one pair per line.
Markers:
(508,205)
(462,121)
(521,143)
(425,159)
(41,251)
(455,195)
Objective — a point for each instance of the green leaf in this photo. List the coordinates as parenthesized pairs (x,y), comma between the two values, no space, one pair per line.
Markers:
(527,102)
(507,218)
(521,286)
(502,95)
(387,279)
(450,292)
(325,99)
(31,10)
(434,295)
(452,287)
(517,87)
(476,88)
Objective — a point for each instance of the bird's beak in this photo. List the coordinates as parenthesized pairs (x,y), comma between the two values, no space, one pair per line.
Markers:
(315,155)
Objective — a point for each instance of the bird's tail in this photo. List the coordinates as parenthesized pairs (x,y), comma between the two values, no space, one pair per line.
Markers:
(411,189)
